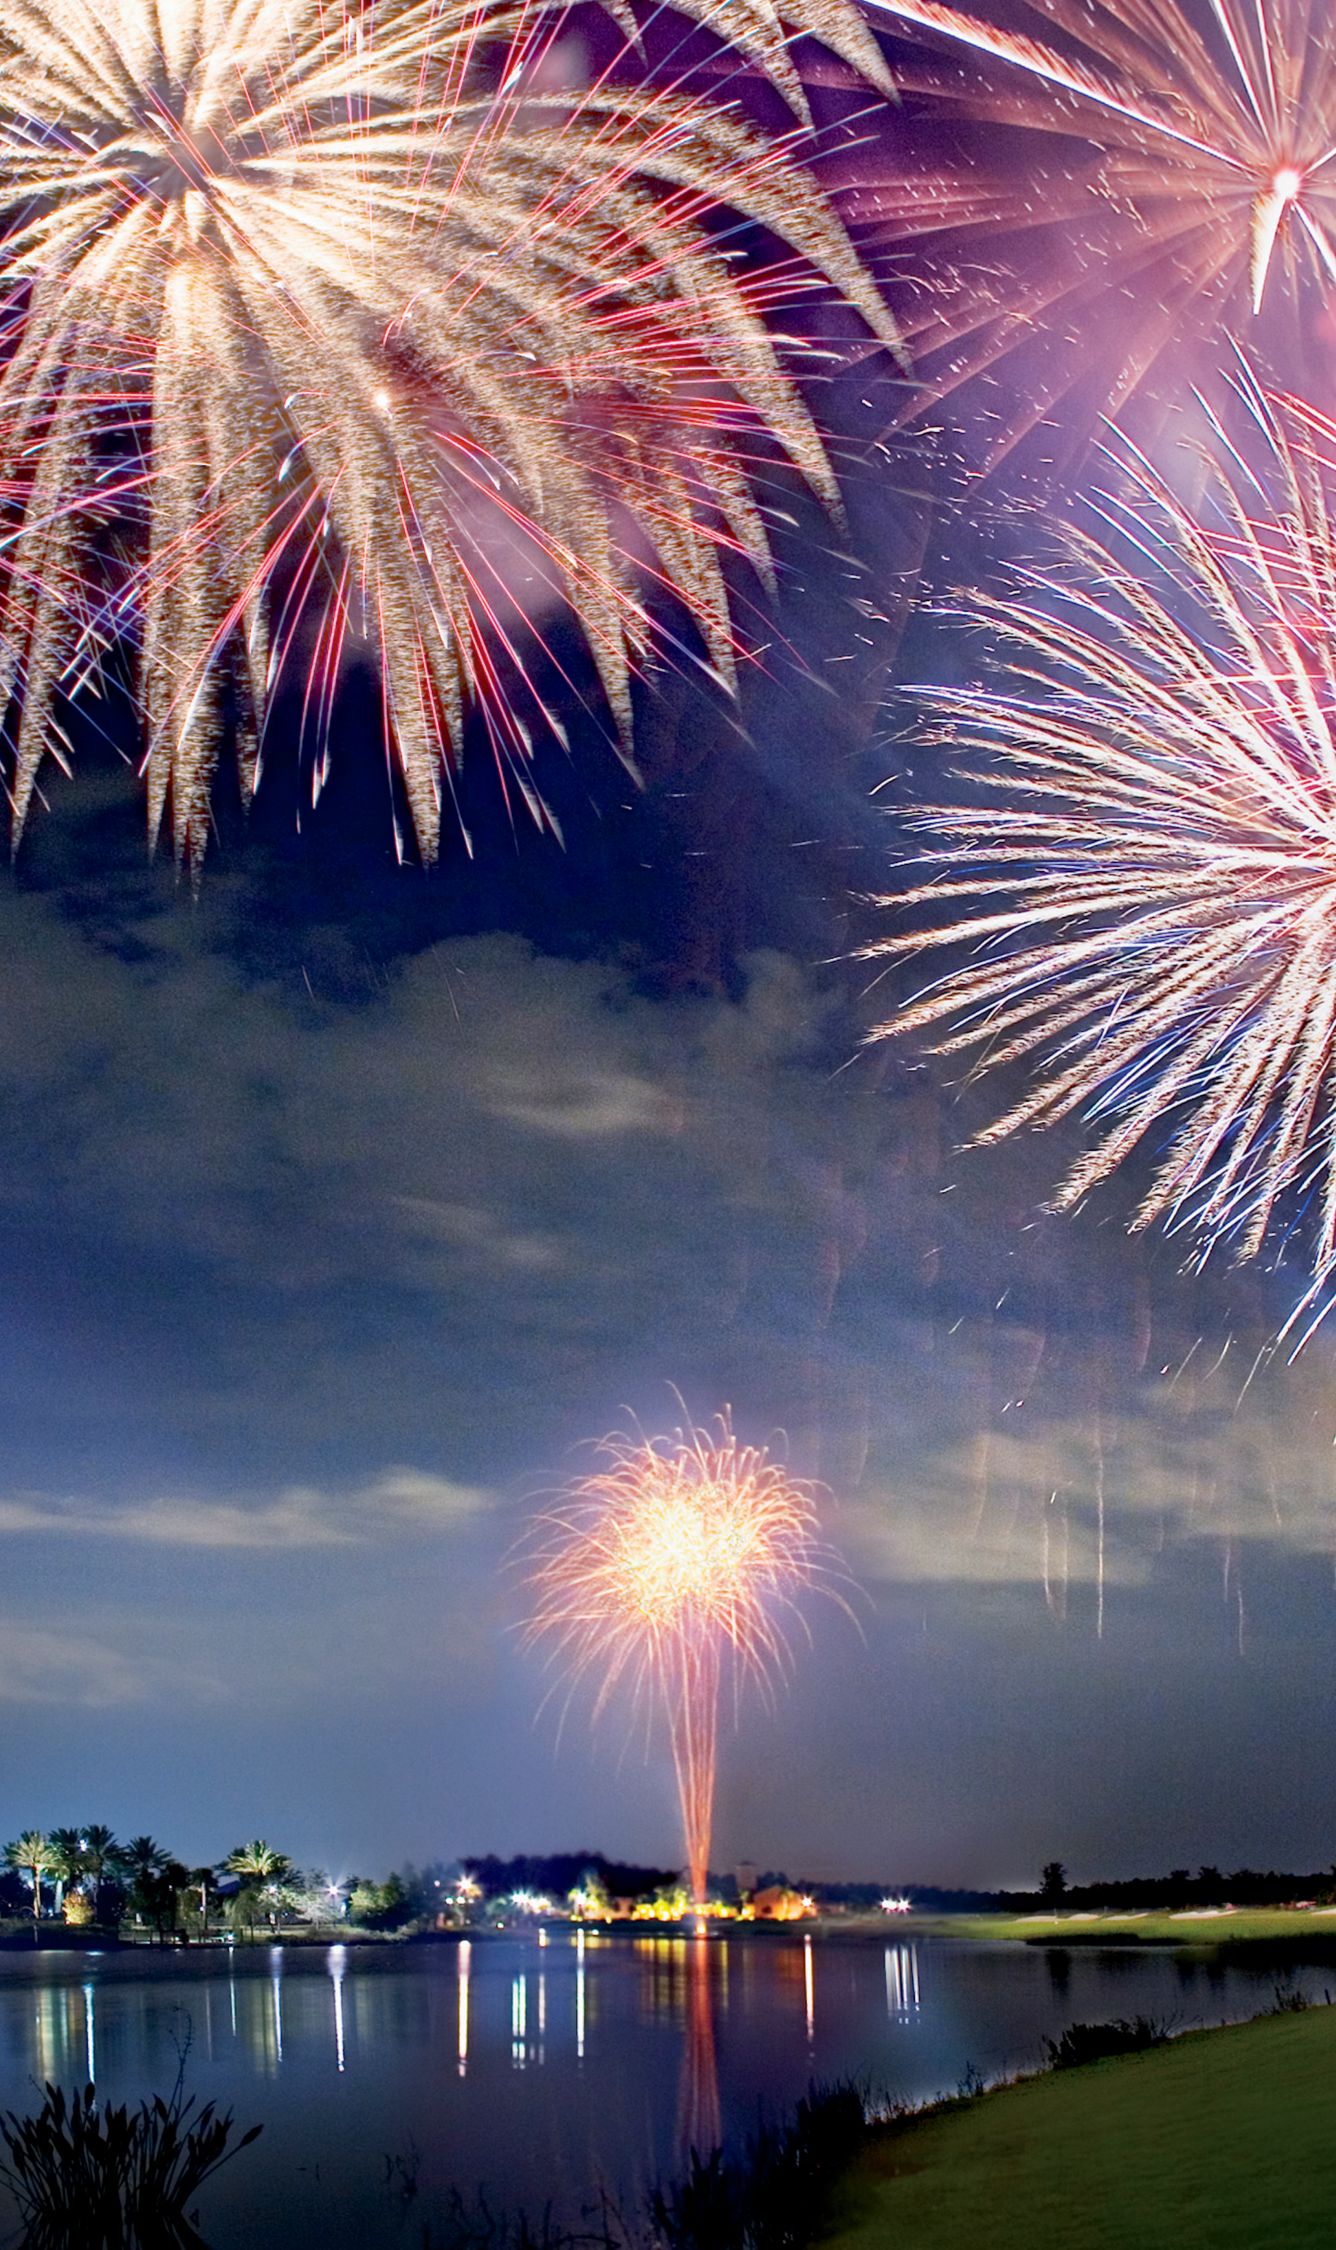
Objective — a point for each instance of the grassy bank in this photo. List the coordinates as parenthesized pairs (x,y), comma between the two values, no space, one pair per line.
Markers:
(1221,2140)
(1276,1925)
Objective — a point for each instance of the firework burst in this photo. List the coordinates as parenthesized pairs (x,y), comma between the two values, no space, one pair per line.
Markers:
(1182,179)
(344,326)
(674,1566)
(1146,880)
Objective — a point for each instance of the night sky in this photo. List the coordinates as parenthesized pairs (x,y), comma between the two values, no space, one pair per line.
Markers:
(342,1203)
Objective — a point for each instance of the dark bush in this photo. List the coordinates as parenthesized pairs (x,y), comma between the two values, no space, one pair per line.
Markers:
(1093,2042)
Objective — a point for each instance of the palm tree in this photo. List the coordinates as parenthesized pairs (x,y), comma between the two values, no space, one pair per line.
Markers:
(101,1851)
(30,1853)
(258,1864)
(104,1859)
(143,1858)
(201,1879)
(68,1860)
(258,1860)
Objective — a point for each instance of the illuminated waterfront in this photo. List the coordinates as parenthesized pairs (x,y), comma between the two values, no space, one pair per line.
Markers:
(538,2070)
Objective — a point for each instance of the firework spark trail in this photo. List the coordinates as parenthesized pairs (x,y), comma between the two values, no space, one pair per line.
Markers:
(359,335)
(670,1571)
(1199,158)
(1147,879)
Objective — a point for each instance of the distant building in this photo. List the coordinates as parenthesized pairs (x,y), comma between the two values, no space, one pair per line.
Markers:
(779,1904)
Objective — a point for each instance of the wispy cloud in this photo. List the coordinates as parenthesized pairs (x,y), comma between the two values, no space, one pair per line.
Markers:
(398,1503)
(38,1665)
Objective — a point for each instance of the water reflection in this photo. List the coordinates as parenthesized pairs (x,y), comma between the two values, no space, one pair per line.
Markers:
(535,2070)
(698,2121)
(464,1970)
(276,1995)
(579,1995)
(1058,1962)
(64,2043)
(338,1966)
(902,1982)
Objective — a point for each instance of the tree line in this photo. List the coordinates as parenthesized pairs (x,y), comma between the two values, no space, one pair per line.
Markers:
(88,1879)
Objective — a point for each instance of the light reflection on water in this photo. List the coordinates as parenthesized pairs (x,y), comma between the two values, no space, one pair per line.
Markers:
(541,2071)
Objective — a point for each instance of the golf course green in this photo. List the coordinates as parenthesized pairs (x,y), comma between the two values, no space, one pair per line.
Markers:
(1219,2140)
(1265,1925)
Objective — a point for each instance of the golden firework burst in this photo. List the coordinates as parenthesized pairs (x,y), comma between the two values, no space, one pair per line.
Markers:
(351,327)
(678,1559)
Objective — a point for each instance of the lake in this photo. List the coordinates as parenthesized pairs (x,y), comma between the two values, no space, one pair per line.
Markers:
(384,2076)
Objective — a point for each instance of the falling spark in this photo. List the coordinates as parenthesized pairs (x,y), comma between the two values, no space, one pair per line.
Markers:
(676,1563)
(341,329)
(1184,169)
(1147,880)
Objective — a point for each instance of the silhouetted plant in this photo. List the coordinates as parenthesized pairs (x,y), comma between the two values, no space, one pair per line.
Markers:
(775,2195)
(94,2177)
(401,2172)
(1290,2000)
(474,2225)
(1093,2042)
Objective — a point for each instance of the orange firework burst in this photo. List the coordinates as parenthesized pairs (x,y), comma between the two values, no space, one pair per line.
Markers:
(678,1561)
(1144,174)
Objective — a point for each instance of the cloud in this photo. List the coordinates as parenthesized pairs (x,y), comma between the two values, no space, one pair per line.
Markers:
(43,1666)
(257,1244)
(1046,1494)
(400,1502)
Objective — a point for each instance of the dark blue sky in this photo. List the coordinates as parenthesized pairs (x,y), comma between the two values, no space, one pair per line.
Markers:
(333,1218)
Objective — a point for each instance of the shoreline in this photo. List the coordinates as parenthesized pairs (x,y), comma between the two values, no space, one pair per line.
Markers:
(1217,2135)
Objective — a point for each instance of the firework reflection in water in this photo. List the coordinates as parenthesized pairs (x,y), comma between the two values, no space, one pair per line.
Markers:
(673,1568)
(699,2118)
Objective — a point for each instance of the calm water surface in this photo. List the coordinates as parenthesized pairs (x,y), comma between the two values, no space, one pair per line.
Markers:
(534,2072)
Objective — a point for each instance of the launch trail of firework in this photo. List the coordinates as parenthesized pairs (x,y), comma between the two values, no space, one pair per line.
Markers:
(1146,878)
(671,1571)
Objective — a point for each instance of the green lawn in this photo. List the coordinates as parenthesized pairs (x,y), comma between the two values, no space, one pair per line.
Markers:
(1273,1924)
(1222,2140)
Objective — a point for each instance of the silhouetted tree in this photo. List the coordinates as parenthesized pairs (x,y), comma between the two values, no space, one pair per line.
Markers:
(68,1860)
(1053,1882)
